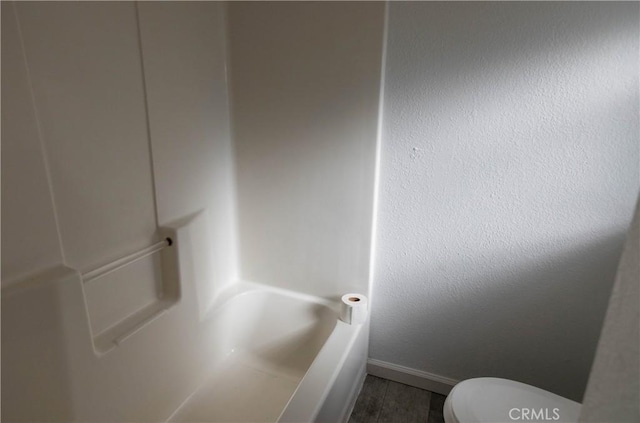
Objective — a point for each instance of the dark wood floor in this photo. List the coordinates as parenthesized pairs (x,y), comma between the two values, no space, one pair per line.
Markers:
(385,401)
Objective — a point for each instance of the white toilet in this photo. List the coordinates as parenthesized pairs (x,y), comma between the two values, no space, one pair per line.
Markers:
(493,400)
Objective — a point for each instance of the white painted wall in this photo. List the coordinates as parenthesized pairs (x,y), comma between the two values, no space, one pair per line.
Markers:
(305,82)
(509,171)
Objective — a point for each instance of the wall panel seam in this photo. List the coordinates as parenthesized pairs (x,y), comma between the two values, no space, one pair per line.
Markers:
(148,118)
(43,147)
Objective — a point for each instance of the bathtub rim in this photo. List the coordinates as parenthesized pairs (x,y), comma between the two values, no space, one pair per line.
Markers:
(333,355)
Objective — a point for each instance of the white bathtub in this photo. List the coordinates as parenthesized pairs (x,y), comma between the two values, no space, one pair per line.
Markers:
(276,356)
(260,354)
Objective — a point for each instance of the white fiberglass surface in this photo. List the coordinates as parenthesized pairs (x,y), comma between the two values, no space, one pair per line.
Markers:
(264,343)
(240,391)
(259,354)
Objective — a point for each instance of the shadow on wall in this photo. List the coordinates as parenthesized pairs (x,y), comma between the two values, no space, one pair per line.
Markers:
(484,322)
(509,171)
(517,97)
(509,42)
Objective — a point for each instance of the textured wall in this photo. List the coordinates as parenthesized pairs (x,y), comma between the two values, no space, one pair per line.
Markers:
(305,82)
(508,177)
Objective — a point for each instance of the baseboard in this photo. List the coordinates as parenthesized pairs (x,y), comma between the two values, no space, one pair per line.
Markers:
(419,379)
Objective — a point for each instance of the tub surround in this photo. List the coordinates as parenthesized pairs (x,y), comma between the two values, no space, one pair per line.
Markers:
(155,114)
(305,82)
(101,381)
(113,137)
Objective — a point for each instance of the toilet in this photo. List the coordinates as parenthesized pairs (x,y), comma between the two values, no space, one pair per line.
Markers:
(494,400)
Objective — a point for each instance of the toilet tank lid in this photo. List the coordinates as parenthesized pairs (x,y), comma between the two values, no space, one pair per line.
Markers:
(494,400)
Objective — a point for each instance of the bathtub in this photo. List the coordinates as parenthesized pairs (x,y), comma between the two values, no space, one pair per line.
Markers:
(276,356)
(260,354)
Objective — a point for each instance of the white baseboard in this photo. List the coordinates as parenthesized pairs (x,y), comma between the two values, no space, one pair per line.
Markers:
(419,379)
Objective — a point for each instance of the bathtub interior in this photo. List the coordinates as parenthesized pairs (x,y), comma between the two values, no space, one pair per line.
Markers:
(265,342)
